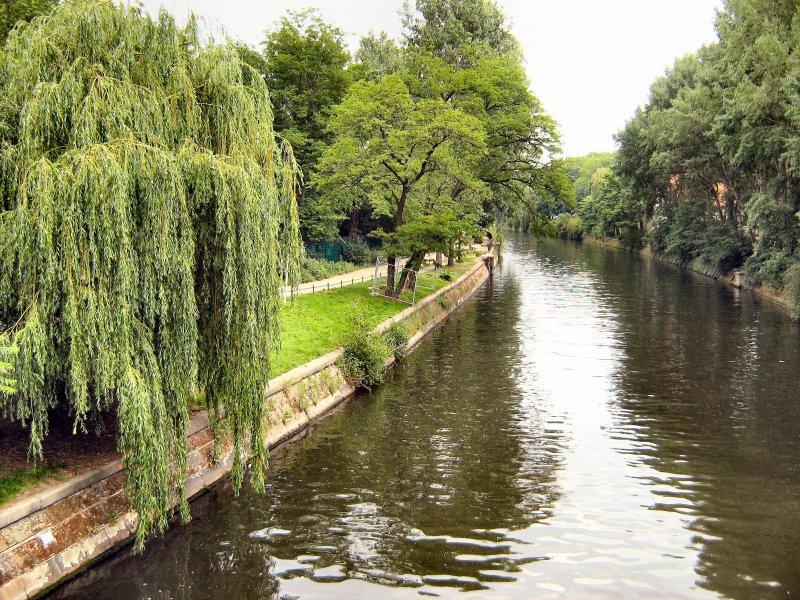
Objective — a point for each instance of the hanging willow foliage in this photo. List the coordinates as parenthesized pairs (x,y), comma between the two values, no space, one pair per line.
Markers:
(147,222)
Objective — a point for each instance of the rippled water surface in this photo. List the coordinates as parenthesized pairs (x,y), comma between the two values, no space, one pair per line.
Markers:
(591,424)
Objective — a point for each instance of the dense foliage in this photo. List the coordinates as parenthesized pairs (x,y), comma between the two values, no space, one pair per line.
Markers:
(148,226)
(397,338)
(315,269)
(441,135)
(305,62)
(708,170)
(13,12)
(148,214)
(580,169)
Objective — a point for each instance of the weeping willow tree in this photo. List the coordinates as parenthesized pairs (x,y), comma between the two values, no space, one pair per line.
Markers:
(147,227)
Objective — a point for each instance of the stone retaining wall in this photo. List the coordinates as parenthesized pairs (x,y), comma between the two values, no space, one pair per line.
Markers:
(51,536)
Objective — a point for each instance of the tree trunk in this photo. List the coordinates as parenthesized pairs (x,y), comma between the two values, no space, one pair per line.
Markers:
(413,264)
(391,262)
(352,234)
(391,269)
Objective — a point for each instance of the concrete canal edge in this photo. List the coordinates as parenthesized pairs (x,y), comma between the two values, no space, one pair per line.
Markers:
(734,278)
(48,538)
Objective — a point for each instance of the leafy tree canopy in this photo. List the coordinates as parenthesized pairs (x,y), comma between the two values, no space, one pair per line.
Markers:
(404,154)
(377,55)
(305,69)
(148,219)
(709,165)
(460,55)
(306,75)
(579,171)
(446,27)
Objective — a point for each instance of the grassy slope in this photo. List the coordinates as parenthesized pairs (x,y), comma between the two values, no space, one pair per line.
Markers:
(317,322)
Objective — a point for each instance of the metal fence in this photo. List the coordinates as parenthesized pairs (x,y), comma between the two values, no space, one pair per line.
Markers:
(332,251)
(324,286)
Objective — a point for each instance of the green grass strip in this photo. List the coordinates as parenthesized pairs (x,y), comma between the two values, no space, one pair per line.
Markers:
(316,323)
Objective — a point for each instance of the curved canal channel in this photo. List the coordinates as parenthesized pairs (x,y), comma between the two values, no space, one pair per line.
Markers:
(591,423)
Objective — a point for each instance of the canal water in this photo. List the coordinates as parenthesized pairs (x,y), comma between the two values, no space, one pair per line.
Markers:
(591,424)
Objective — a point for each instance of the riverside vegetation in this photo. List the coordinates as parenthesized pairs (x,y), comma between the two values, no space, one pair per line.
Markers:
(155,185)
(317,323)
(708,171)
(148,225)
(313,325)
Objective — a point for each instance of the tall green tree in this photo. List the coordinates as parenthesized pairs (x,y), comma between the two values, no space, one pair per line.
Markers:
(404,154)
(608,211)
(712,156)
(447,27)
(759,54)
(306,71)
(149,217)
(377,55)
(464,52)
(459,58)
(579,171)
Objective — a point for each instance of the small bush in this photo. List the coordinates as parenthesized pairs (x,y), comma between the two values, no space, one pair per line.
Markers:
(365,353)
(656,235)
(396,339)
(791,287)
(356,252)
(721,249)
(768,266)
(568,226)
(314,269)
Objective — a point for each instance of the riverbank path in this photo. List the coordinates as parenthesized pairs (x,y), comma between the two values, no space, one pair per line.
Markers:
(357,276)
(353,277)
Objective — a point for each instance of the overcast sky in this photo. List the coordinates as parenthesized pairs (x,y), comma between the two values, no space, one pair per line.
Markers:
(590,61)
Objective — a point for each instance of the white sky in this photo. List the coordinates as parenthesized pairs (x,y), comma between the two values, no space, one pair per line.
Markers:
(591,62)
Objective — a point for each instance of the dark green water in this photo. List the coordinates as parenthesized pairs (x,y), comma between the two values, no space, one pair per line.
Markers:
(591,424)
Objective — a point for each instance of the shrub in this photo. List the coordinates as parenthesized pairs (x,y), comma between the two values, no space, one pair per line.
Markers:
(397,339)
(768,266)
(365,353)
(568,226)
(721,248)
(356,252)
(687,223)
(656,235)
(791,287)
(689,233)
(314,269)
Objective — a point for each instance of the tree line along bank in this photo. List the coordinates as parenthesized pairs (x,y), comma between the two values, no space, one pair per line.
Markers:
(708,171)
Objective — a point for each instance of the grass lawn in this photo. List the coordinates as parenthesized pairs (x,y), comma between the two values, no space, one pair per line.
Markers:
(17,480)
(316,323)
